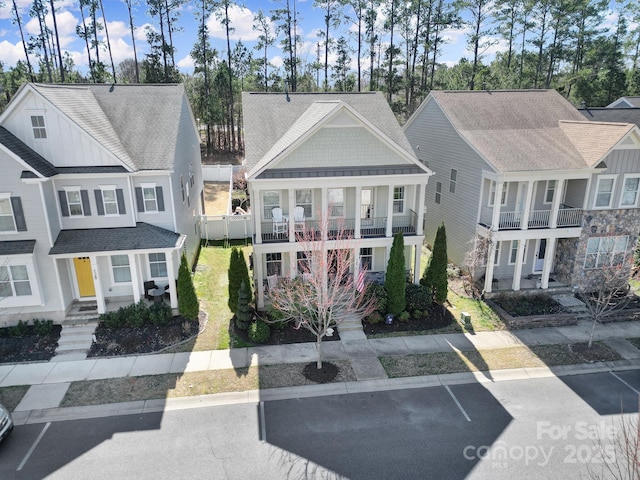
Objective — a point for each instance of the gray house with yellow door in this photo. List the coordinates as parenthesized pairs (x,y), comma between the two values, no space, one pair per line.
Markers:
(100,194)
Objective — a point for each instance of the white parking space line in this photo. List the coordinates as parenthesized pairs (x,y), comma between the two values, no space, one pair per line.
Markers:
(33,447)
(457,403)
(636,391)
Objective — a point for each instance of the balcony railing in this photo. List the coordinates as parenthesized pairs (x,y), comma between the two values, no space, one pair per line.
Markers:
(341,227)
(567,217)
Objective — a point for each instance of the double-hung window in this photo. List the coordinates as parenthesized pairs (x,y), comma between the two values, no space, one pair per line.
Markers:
(74,202)
(606,251)
(398,199)
(513,254)
(336,202)
(157,265)
(492,194)
(304,262)
(366,259)
(604,191)
(453,180)
(38,127)
(550,191)
(109,200)
(304,199)
(149,198)
(438,192)
(7,220)
(14,281)
(274,264)
(630,189)
(121,269)
(270,200)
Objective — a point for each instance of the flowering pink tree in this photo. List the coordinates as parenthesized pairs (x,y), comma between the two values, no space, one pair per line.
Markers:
(324,292)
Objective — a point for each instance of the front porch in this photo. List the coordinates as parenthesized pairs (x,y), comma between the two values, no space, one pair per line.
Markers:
(528,283)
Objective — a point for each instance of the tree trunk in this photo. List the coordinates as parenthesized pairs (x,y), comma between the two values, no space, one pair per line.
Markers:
(319,351)
(55,31)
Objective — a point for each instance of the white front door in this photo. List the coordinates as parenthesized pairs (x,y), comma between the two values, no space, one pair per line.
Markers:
(541,248)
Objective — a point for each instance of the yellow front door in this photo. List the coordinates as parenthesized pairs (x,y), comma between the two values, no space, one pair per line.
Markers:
(84,276)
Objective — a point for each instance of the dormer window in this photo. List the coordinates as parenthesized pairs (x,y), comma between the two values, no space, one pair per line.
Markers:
(37,124)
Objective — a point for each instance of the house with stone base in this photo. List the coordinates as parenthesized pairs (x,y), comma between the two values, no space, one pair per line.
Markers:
(533,195)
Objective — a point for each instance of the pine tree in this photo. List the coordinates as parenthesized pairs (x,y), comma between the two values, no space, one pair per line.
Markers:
(395,279)
(435,275)
(243,313)
(188,304)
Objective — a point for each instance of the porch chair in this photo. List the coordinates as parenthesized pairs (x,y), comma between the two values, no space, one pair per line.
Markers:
(148,286)
(279,222)
(272,282)
(298,219)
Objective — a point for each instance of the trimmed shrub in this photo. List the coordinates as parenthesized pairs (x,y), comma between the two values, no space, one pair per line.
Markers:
(42,327)
(188,304)
(395,278)
(244,313)
(435,275)
(258,331)
(19,330)
(417,314)
(375,317)
(418,297)
(404,316)
(159,313)
(378,292)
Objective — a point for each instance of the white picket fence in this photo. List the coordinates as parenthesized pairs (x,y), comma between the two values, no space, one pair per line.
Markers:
(231,227)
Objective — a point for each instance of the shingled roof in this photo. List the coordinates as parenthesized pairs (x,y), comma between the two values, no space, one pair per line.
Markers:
(141,237)
(274,120)
(29,156)
(137,123)
(610,114)
(522,130)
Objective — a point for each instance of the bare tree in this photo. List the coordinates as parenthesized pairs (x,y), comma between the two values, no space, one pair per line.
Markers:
(610,292)
(324,293)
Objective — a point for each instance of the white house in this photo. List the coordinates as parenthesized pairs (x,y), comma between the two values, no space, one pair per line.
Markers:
(342,155)
(555,197)
(100,193)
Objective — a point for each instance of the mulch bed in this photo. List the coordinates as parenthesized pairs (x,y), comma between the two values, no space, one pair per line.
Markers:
(326,374)
(30,347)
(598,352)
(285,335)
(146,339)
(438,317)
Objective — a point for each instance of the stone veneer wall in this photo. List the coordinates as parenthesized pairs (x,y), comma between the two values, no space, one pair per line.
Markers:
(570,253)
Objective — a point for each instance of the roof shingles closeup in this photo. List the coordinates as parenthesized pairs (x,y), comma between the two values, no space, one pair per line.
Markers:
(524,130)
(29,156)
(141,237)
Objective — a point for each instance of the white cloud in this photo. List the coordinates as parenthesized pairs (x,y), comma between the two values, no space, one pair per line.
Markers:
(186,63)
(10,53)
(6,11)
(276,61)
(240,19)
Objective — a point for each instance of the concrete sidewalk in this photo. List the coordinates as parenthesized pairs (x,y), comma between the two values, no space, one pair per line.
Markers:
(50,380)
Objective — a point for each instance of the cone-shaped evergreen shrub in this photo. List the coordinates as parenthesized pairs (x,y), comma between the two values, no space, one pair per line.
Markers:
(395,279)
(435,275)
(188,304)
(244,314)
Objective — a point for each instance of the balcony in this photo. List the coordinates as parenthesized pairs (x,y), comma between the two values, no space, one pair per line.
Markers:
(510,220)
(371,227)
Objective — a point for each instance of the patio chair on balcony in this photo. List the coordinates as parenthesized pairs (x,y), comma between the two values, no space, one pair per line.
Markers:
(298,219)
(279,221)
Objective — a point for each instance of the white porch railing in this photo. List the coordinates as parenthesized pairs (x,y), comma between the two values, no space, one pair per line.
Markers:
(567,217)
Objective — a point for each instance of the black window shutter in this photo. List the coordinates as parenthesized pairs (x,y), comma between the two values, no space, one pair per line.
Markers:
(18,214)
(85,202)
(64,206)
(120,197)
(160,199)
(139,199)
(99,204)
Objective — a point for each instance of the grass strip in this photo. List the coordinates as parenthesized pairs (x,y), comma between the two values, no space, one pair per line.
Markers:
(10,397)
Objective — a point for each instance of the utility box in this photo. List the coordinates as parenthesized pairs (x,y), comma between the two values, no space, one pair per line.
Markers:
(465,317)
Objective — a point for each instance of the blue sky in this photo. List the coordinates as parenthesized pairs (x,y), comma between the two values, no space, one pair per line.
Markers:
(68,16)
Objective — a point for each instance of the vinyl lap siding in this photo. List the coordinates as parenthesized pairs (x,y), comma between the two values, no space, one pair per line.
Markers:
(443,149)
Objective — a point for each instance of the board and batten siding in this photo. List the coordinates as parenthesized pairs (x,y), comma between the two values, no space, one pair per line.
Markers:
(66,145)
(619,162)
(442,148)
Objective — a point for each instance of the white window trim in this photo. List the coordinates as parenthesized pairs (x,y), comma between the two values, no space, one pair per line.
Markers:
(152,186)
(311,214)
(496,255)
(279,261)
(68,189)
(453,183)
(38,113)
(438,196)
(599,252)
(331,205)
(403,200)
(524,251)
(624,181)
(113,279)
(113,188)
(271,206)
(166,262)
(24,300)
(546,191)
(493,188)
(7,196)
(372,257)
(613,191)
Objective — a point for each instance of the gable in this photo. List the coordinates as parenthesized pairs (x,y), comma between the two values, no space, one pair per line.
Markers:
(336,146)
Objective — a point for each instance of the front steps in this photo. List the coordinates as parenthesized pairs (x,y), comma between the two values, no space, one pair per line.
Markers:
(351,329)
(76,336)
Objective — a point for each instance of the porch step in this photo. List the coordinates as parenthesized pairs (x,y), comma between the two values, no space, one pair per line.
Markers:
(351,329)
(75,341)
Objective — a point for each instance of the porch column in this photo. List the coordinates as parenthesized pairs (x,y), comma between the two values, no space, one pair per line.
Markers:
(293,264)
(256,213)
(258,279)
(416,263)
(355,266)
(517,269)
(422,189)
(172,277)
(135,280)
(497,202)
(358,222)
(324,226)
(548,262)
(488,271)
(292,207)
(555,206)
(389,231)
(524,221)
(102,306)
